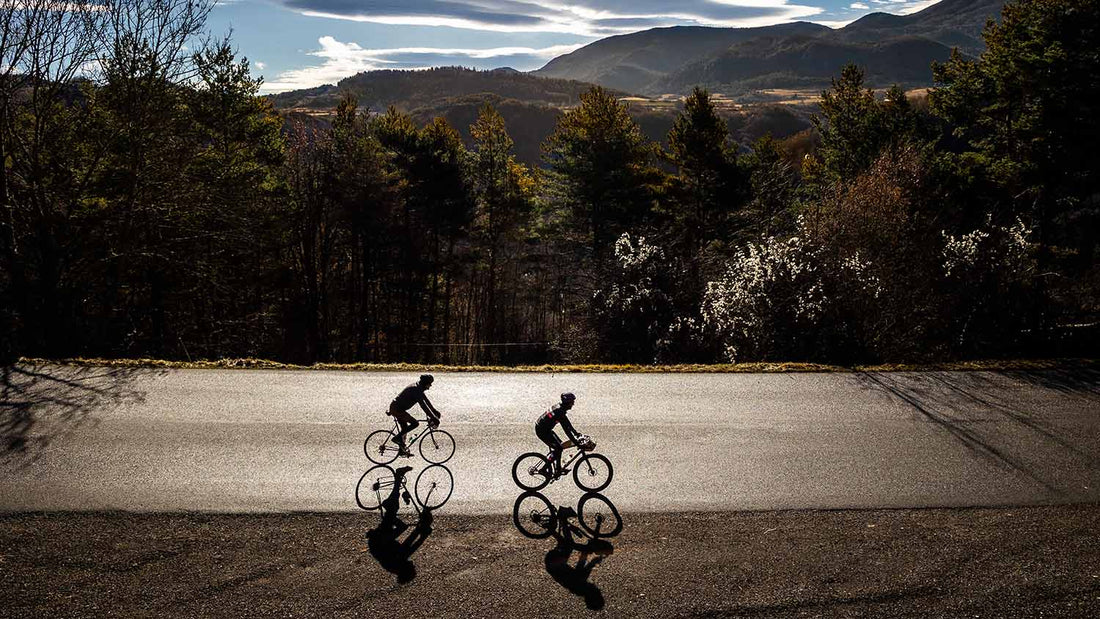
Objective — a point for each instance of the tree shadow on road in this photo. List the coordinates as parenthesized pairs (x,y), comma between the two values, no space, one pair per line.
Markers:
(41,403)
(384,541)
(986,413)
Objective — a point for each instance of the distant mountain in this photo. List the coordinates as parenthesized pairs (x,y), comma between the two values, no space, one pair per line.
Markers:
(632,62)
(807,62)
(953,23)
(894,49)
(408,90)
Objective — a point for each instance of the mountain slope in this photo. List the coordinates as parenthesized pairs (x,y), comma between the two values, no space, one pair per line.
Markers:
(788,55)
(810,62)
(953,23)
(377,90)
(632,62)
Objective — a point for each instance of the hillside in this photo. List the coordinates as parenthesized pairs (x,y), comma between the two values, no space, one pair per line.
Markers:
(377,90)
(953,23)
(633,62)
(894,49)
(786,62)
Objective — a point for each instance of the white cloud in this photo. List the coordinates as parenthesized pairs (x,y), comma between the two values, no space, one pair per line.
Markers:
(859,5)
(579,17)
(260,65)
(342,60)
(917,6)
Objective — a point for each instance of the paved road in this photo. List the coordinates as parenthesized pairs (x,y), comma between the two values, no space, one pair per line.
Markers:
(254,441)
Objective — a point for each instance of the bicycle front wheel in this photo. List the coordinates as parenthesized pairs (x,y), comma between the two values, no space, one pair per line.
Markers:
(598,516)
(531,471)
(437,446)
(374,486)
(534,516)
(378,447)
(593,472)
(434,486)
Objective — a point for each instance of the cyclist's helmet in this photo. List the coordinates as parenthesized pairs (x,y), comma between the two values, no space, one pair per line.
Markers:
(426,380)
(568,398)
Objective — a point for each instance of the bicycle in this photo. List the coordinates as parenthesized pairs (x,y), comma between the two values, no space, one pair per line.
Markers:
(592,473)
(432,488)
(436,446)
(536,518)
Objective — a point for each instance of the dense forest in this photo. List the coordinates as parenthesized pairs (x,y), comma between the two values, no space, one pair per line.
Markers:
(156,206)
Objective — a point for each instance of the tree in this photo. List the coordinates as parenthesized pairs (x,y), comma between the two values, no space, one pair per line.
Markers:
(503,190)
(1025,113)
(708,187)
(856,127)
(604,166)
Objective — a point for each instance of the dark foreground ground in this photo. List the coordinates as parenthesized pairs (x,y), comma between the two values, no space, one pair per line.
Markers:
(1027,562)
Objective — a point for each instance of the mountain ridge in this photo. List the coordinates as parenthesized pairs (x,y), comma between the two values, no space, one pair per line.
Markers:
(624,61)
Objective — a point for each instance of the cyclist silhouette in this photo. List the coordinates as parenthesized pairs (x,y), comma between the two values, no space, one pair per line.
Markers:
(399,410)
(544,428)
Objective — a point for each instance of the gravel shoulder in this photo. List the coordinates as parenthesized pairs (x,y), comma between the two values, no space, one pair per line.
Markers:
(1003,562)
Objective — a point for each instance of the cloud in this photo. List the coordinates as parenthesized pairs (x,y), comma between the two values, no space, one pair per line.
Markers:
(579,17)
(260,65)
(341,60)
(859,5)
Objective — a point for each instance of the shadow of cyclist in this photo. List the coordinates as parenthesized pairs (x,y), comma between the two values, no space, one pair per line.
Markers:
(591,552)
(392,553)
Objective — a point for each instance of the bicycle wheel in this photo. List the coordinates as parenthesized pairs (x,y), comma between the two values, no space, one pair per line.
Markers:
(433,486)
(531,471)
(534,516)
(378,447)
(592,472)
(598,516)
(374,486)
(437,446)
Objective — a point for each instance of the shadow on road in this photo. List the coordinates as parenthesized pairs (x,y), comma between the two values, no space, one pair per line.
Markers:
(986,413)
(384,541)
(40,404)
(535,517)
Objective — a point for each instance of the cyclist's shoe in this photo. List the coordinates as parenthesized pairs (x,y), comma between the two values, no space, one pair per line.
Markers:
(408,499)
(404,453)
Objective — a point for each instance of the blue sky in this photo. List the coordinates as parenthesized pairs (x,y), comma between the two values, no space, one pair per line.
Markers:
(303,43)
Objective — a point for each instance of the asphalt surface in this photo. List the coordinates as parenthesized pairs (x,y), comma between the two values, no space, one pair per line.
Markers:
(272,441)
(997,563)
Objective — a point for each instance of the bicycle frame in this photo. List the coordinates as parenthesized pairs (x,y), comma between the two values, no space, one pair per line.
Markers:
(567,463)
(409,441)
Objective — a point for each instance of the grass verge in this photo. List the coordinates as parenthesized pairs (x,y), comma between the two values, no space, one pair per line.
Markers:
(717,368)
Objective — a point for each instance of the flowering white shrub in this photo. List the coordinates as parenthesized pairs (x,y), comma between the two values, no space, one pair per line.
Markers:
(781,289)
(636,307)
(1005,249)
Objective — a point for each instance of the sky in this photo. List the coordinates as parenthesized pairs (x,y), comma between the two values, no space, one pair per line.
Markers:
(297,44)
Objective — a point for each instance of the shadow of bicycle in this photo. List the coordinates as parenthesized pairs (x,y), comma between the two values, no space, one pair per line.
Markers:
(384,541)
(597,520)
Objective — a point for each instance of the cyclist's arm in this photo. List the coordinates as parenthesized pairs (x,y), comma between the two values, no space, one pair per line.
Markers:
(429,410)
(568,427)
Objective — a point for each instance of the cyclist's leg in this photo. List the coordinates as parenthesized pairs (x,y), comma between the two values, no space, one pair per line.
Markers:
(407,423)
(551,439)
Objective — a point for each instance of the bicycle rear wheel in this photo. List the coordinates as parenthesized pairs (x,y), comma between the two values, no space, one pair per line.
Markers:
(531,471)
(374,486)
(434,486)
(598,516)
(593,472)
(534,516)
(437,446)
(378,447)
